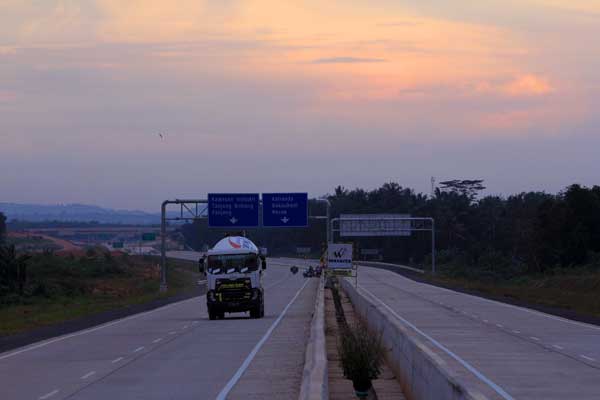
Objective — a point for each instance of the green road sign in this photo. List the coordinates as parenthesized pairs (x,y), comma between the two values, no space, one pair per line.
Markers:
(149,236)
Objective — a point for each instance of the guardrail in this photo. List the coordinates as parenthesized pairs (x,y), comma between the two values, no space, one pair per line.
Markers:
(389,266)
(314,377)
(423,374)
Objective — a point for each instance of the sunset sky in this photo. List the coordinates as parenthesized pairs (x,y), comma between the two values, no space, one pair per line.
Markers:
(261,96)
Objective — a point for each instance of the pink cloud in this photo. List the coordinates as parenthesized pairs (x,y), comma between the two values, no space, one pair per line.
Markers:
(521,86)
(528,85)
(7,97)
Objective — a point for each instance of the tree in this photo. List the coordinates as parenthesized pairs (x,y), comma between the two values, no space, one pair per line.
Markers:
(466,187)
(2,228)
(13,270)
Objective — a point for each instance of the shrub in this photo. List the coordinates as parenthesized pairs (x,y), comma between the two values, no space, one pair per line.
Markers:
(361,355)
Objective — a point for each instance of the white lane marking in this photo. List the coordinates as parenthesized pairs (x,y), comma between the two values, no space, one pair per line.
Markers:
(116,360)
(48,395)
(527,310)
(185,326)
(172,333)
(139,349)
(499,326)
(156,340)
(516,331)
(195,322)
(586,357)
(486,321)
(236,377)
(537,339)
(558,347)
(464,363)
(97,328)
(88,374)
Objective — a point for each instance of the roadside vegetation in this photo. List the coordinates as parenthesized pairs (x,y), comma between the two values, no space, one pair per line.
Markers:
(42,288)
(575,290)
(533,246)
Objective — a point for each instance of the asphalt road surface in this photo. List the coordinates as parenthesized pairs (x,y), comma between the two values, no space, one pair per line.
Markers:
(175,352)
(500,350)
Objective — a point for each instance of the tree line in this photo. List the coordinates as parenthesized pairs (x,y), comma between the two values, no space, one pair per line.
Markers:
(525,233)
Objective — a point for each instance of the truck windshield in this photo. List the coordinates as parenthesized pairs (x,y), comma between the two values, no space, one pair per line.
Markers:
(229,263)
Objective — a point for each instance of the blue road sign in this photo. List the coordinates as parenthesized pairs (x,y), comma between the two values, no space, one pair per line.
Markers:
(233,210)
(285,209)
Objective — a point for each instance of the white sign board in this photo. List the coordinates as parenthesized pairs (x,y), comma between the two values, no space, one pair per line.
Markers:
(339,256)
(303,250)
(374,225)
(369,252)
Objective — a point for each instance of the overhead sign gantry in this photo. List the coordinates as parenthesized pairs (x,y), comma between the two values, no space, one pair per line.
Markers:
(241,210)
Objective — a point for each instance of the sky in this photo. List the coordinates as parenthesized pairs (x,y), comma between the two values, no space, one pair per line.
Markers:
(299,96)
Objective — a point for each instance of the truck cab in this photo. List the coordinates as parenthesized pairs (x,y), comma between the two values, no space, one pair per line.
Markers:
(234,269)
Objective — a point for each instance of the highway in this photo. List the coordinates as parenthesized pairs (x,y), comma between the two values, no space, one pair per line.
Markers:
(502,351)
(175,352)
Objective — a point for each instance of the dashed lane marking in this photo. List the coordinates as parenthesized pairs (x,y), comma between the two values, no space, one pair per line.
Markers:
(48,395)
(84,332)
(236,377)
(88,374)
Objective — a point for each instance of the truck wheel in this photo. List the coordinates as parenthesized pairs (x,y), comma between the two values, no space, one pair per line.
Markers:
(255,312)
(221,315)
(212,315)
(262,308)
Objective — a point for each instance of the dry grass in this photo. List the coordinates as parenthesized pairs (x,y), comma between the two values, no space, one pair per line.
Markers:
(575,291)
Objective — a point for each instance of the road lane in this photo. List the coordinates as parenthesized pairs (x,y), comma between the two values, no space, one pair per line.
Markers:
(527,354)
(171,352)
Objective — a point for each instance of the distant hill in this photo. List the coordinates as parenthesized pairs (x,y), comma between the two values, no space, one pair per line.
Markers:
(76,213)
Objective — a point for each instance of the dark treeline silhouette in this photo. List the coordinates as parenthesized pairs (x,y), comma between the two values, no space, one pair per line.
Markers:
(526,233)
(2,228)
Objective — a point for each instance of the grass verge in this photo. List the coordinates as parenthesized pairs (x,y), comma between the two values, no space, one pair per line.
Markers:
(75,288)
(575,290)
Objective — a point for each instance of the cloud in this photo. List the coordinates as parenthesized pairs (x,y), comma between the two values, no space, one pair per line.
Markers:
(347,60)
(528,85)
(7,50)
(399,24)
(521,86)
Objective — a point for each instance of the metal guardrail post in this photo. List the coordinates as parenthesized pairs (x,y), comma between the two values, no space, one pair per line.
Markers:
(432,246)
(163,247)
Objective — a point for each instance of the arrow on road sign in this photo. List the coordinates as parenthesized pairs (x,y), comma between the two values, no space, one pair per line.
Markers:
(285,220)
(233,220)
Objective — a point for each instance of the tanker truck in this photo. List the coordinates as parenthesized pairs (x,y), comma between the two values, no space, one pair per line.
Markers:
(234,269)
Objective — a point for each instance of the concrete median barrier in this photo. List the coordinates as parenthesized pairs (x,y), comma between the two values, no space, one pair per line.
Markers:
(314,377)
(423,374)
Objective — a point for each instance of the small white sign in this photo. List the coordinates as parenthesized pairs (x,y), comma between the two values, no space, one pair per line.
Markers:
(303,250)
(375,225)
(339,256)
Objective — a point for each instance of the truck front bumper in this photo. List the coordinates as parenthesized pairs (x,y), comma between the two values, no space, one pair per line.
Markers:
(238,301)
